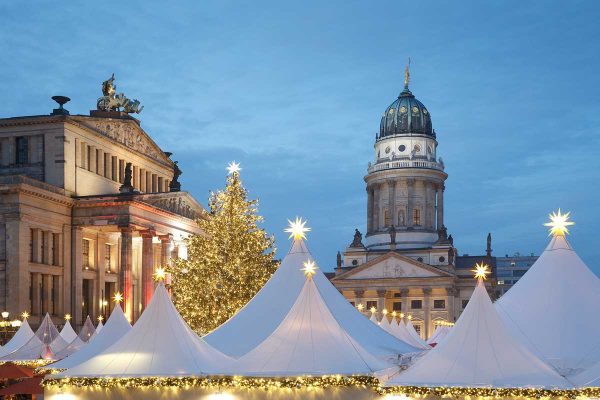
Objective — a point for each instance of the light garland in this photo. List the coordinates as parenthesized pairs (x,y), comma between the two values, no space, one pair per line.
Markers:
(417,391)
(29,363)
(232,382)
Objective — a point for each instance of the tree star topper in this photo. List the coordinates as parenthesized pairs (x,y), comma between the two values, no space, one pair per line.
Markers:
(233,168)
(296,229)
(118,297)
(481,271)
(309,268)
(559,223)
(160,274)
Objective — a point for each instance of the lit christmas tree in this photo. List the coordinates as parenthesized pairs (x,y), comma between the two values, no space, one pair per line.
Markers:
(228,265)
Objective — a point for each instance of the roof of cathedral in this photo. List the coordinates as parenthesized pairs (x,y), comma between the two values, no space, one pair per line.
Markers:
(406,115)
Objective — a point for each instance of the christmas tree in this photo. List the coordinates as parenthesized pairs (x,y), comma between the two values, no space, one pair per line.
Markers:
(228,264)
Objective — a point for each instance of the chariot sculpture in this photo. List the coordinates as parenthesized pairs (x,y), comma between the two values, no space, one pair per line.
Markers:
(111,101)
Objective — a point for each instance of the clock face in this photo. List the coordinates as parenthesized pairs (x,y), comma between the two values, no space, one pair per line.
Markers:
(403,110)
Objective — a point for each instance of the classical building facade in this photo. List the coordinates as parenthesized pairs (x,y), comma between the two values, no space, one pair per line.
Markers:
(89,205)
(407,262)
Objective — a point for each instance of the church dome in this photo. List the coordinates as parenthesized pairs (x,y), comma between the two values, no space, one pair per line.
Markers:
(406,115)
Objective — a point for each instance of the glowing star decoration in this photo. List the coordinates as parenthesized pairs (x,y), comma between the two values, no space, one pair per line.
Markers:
(309,268)
(481,271)
(360,307)
(401,315)
(409,317)
(559,223)
(160,274)
(373,310)
(25,315)
(118,297)
(296,229)
(233,168)
(394,314)
(68,317)
(385,311)
(100,318)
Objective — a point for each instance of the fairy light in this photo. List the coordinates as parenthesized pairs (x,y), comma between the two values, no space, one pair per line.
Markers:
(559,223)
(297,229)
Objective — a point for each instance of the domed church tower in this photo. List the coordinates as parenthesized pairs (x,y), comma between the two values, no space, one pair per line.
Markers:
(405,183)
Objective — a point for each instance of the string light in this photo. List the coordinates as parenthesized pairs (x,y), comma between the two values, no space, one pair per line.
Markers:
(297,229)
(559,223)
(499,393)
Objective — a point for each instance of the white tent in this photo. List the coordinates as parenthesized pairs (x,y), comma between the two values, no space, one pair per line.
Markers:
(588,378)
(274,300)
(86,335)
(99,327)
(373,318)
(116,326)
(545,308)
(160,344)
(67,332)
(438,335)
(401,332)
(309,341)
(45,343)
(416,338)
(480,352)
(22,336)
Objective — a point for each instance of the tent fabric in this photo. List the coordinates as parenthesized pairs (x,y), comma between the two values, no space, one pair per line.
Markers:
(373,319)
(76,345)
(99,327)
(401,331)
(87,330)
(272,303)
(309,341)
(22,336)
(160,344)
(13,371)
(480,351)
(68,333)
(438,335)
(415,336)
(545,306)
(46,342)
(588,378)
(116,326)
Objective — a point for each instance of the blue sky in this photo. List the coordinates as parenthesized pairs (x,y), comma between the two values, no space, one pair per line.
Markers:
(294,91)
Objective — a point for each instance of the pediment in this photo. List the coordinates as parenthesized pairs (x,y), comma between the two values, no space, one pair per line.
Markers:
(390,266)
(128,133)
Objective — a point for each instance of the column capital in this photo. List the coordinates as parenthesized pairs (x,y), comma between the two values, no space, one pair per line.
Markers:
(359,293)
(381,292)
(404,292)
(166,237)
(148,233)
(452,291)
(427,291)
(126,228)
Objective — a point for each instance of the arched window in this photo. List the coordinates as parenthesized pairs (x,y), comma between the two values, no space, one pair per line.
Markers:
(417,217)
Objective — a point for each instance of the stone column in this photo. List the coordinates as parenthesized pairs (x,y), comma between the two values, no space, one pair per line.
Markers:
(101,271)
(392,200)
(165,249)
(47,294)
(358,297)
(59,308)
(440,206)
(36,300)
(381,302)
(369,209)
(427,314)
(17,266)
(376,207)
(451,293)
(100,154)
(125,270)
(76,275)
(404,300)
(147,266)
(410,186)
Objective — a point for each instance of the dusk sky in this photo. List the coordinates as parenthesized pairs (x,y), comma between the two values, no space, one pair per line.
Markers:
(294,91)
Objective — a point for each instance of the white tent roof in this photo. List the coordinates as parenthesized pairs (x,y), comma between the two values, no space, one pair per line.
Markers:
(22,336)
(274,300)
(373,319)
(309,341)
(160,344)
(68,333)
(87,330)
(416,339)
(116,326)
(588,378)
(545,308)
(400,331)
(439,334)
(99,327)
(479,351)
(43,344)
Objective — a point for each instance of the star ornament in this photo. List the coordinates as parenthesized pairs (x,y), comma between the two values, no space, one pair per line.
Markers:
(373,310)
(160,274)
(297,229)
(68,317)
(100,318)
(25,315)
(360,306)
(118,297)
(481,271)
(309,268)
(559,223)
(233,168)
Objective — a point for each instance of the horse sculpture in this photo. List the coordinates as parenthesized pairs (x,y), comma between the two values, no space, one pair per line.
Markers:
(110,101)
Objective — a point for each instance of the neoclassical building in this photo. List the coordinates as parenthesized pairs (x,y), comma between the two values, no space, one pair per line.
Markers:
(89,205)
(407,262)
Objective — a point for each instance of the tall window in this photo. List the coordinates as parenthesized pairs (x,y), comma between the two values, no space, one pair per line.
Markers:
(371,304)
(107,258)
(85,254)
(439,304)
(386,217)
(417,217)
(22,150)
(416,304)
(43,247)
(397,306)
(56,249)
